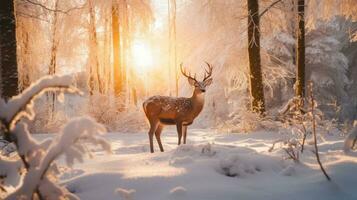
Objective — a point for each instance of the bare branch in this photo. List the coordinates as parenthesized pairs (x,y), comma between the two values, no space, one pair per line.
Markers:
(22,14)
(55,10)
(269,7)
(314,132)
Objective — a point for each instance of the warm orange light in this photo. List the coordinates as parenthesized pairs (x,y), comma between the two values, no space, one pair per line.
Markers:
(142,55)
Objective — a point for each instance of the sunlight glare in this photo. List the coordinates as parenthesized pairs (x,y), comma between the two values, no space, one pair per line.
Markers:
(142,55)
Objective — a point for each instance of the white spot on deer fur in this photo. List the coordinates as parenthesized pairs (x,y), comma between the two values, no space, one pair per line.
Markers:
(166,107)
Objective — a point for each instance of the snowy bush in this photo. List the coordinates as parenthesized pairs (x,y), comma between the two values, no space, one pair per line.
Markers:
(351,139)
(34,161)
(115,115)
(103,109)
(328,64)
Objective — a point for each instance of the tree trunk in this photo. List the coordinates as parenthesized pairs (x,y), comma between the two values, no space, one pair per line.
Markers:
(106,56)
(116,49)
(293,29)
(256,82)
(175,45)
(93,52)
(9,75)
(125,51)
(53,62)
(300,53)
(169,43)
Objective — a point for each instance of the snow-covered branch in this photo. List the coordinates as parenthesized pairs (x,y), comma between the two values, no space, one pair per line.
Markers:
(37,158)
(70,144)
(21,105)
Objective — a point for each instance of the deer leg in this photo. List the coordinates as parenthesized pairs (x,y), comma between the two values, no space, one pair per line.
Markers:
(179,132)
(153,127)
(184,134)
(157,135)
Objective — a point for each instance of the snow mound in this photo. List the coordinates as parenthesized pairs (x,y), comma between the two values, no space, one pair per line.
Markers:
(195,150)
(350,139)
(125,194)
(178,192)
(244,165)
(289,170)
(181,160)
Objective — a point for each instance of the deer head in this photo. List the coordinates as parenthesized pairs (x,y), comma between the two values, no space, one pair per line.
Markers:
(200,86)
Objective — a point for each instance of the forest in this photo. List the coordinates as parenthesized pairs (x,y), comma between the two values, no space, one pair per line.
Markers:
(178,99)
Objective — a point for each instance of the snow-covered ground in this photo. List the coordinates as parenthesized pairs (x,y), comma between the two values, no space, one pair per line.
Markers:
(199,169)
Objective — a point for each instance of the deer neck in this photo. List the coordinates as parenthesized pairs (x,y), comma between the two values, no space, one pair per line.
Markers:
(198,100)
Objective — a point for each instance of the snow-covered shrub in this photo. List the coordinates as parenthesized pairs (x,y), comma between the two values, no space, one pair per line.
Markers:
(36,158)
(103,108)
(46,120)
(248,164)
(328,65)
(115,115)
(351,139)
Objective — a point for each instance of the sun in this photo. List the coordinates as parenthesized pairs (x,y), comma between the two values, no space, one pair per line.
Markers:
(142,55)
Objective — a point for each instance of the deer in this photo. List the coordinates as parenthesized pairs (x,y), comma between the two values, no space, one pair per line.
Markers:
(179,111)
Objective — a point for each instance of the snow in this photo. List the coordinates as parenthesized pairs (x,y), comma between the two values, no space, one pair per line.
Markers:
(125,194)
(349,141)
(213,165)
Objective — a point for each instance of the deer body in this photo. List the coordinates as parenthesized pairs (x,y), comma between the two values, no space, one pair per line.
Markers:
(181,111)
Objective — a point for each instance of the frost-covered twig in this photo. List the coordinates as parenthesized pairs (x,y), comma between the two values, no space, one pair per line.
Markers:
(314,132)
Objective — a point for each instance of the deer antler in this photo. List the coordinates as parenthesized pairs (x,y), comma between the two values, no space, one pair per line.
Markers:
(183,71)
(209,71)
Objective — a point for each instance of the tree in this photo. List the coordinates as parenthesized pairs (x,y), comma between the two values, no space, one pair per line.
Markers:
(300,52)
(256,81)
(116,49)
(95,73)
(8,61)
(54,48)
(173,43)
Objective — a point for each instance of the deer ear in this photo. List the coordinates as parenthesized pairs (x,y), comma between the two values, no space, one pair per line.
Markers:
(191,81)
(208,82)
